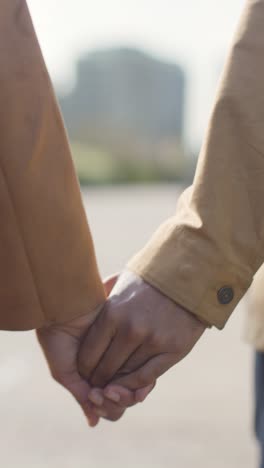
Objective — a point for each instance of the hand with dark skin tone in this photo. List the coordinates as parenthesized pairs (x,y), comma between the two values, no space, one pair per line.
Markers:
(61,344)
(138,335)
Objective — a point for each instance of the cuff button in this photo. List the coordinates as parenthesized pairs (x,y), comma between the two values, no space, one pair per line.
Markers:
(225,295)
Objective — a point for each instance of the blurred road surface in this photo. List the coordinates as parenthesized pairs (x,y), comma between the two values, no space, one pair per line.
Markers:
(200,413)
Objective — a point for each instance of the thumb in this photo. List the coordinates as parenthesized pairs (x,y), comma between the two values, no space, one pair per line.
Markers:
(80,390)
(110,282)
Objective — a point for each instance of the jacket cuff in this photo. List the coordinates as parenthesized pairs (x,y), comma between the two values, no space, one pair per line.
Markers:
(175,262)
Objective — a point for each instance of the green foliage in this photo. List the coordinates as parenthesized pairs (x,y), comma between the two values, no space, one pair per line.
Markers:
(98,167)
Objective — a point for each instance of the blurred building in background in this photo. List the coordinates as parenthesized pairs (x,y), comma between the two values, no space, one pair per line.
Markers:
(125,117)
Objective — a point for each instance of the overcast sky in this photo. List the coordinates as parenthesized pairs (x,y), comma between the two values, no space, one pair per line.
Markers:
(195,33)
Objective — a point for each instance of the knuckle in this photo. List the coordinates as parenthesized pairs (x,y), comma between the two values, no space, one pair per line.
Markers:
(112,315)
(155,341)
(142,380)
(136,331)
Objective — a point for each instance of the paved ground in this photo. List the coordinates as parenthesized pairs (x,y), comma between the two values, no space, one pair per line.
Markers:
(200,414)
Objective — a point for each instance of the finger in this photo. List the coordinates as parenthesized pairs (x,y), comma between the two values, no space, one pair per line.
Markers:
(109,411)
(96,396)
(94,346)
(140,357)
(109,283)
(142,393)
(120,349)
(92,417)
(80,389)
(148,373)
(120,395)
(127,397)
(112,411)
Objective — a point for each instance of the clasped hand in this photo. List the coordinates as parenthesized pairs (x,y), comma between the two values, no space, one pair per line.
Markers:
(110,359)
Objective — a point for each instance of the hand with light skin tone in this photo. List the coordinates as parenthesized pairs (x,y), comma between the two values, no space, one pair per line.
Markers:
(60,344)
(138,335)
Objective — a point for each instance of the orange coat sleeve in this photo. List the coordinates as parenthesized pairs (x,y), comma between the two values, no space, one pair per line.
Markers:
(207,254)
(48,270)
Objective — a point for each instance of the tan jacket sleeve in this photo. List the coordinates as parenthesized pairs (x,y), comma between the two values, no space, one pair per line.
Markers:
(205,256)
(48,271)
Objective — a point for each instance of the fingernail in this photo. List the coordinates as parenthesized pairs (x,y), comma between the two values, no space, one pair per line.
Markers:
(100,413)
(96,399)
(112,395)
